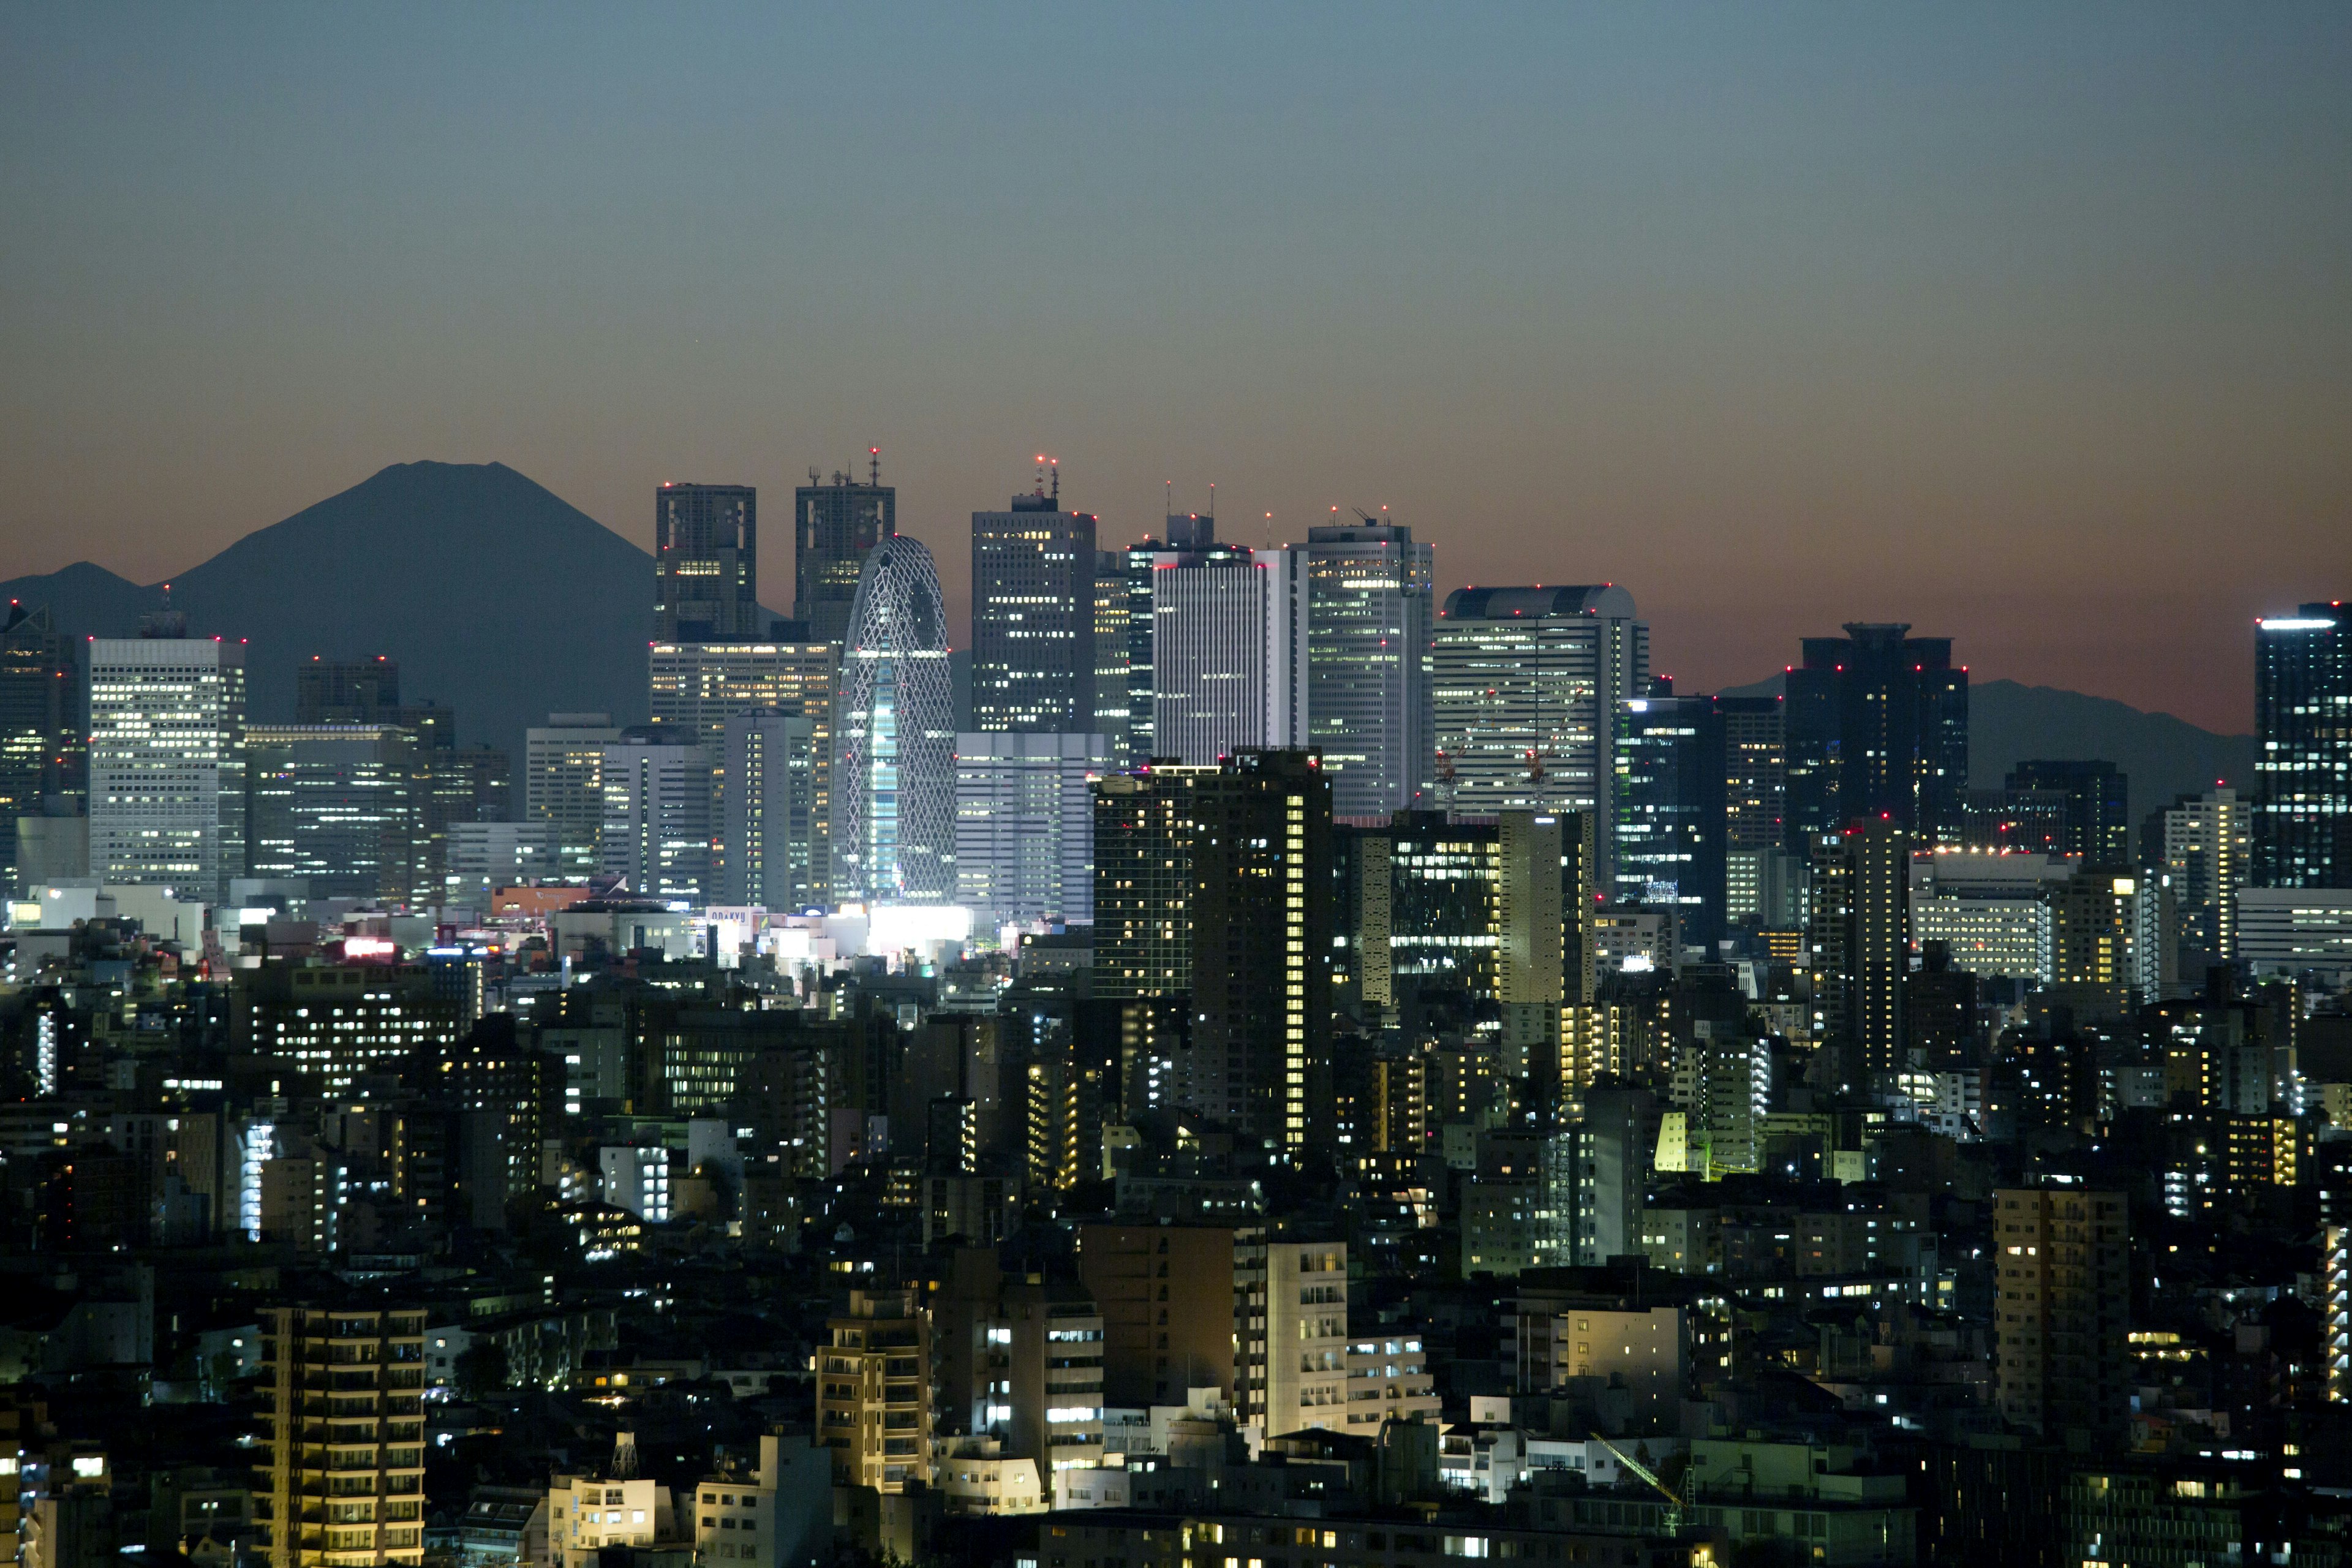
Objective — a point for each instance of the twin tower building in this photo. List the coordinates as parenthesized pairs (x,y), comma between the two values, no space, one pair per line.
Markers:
(842,774)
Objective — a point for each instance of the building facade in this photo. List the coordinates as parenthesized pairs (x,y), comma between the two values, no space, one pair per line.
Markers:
(1229,653)
(833,527)
(1033,617)
(343,1482)
(1025,824)
(1369,616)
(334,805)
(771,839)
(563,786)
(1877,726)
(657,831)
(705,564)
(2303,728)
(167,762)
(893,805)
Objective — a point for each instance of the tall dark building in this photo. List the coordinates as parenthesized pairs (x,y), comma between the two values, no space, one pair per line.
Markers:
(1755,766)
(1033,617)
(834,526)
(2303,727)
(39,728)
(1877,727)
(2097,805)
(1860,948)
(1189,534)
(705,564)
(1670,802)
(1262,946)
(347,691)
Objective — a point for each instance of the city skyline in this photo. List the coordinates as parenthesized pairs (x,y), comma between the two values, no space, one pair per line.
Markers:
(1757,319)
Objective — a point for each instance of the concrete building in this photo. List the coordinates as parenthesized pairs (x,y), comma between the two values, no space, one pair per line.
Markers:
(1877,727)
(656,832)
(1021,1361)
(563,786)
(1032,616)
(1525,687)
(1368,649)
(833,527)
(338,807)
(167,762)
(2296,931)
(705,564)
(778,1516)
(365,1449)
(697,689)
(1025,824)
(773,840)
(873,1391)
(2063,1301)
(2208,852)
(2303,726)
(41,747)
(588,1515)
(1229,653)
(1166,1294)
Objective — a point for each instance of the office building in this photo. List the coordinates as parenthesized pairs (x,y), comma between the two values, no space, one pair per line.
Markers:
(1025,826)
(1755,789)
(1763,889)
(705,564)
(2092,922)
(1229,653)
(2062,1306)
(337,1024)
(563,786)
(893,806)
(485,855)
(39,743)
(2206,850)
(1369,616)
(1191,534)
(1860,947)
(2303,728)
(167,762)
(336,806)
(834,525)
(1670,793)
(1032,616)
(772,833)
(1995,938)
(2296,931)
(344,1405)
(1260,980)
(657,835)
(874,1391)
(1114,718)
(1877,726)
(1525,686)
(698,687)
(2097,806)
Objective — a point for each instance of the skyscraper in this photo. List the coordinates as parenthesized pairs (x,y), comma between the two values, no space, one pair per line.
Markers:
(1525,684)
(2205,850)
(1228,645)
(1860,946)
(367,1443)
(2303,725)
(36,722)
(656,830)
(1192,534)
(894,746)
(1671,778)
(334,805)
(1032,616)
(1368,591)
(833,527)
(167,762)
(1143,881)
(563,785)
(1878,726)
(697,688)
(1114,638)
(2097,805)
(771,837)
(1025,824)
(705,564)
(1261,945)
(1755,789)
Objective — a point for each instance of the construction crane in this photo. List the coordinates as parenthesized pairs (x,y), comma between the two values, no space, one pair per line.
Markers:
(1673,1502)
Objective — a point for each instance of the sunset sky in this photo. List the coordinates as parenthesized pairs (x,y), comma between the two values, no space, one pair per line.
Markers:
(2028,325)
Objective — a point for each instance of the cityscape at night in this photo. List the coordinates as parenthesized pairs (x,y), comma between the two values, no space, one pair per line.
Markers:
(1561,782)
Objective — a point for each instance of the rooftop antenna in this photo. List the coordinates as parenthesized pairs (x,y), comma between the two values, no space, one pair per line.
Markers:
(1056,463)
(1212,502)
(1168,497)
(1041,474)
(814,476)
(873,467)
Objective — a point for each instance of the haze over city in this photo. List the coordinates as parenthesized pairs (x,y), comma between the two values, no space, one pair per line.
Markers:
(2026,326)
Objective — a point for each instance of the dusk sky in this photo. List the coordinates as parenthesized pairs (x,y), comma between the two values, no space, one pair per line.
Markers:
(2028,325)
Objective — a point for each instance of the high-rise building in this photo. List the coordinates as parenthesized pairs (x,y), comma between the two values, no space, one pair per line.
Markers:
(334,805)
(1261,945)
(873,1391)
(705,564)
(2303,726)
(771,838)
(1229,644)
(1368,592)
(2207,850)
(37,723)
(2062,1307)
(1114,718)
(1860,947)
(344,1405)
(1191,534)
(1025,824)
(563,786)
(834,525)
(1755,790)
(167,762)
(1525,684)
(1670,803)
(2097,804)
(893,805)
(657,831)
(1877,726)
(1143,881)
(347,691)
(1032,616)
(697,688)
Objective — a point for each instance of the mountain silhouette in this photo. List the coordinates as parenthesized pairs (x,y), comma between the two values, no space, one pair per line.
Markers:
(500,599)
(2163,757)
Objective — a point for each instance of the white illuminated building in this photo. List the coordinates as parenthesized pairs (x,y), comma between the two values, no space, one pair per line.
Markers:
(1025,825)
(167,762)
(1229,662)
